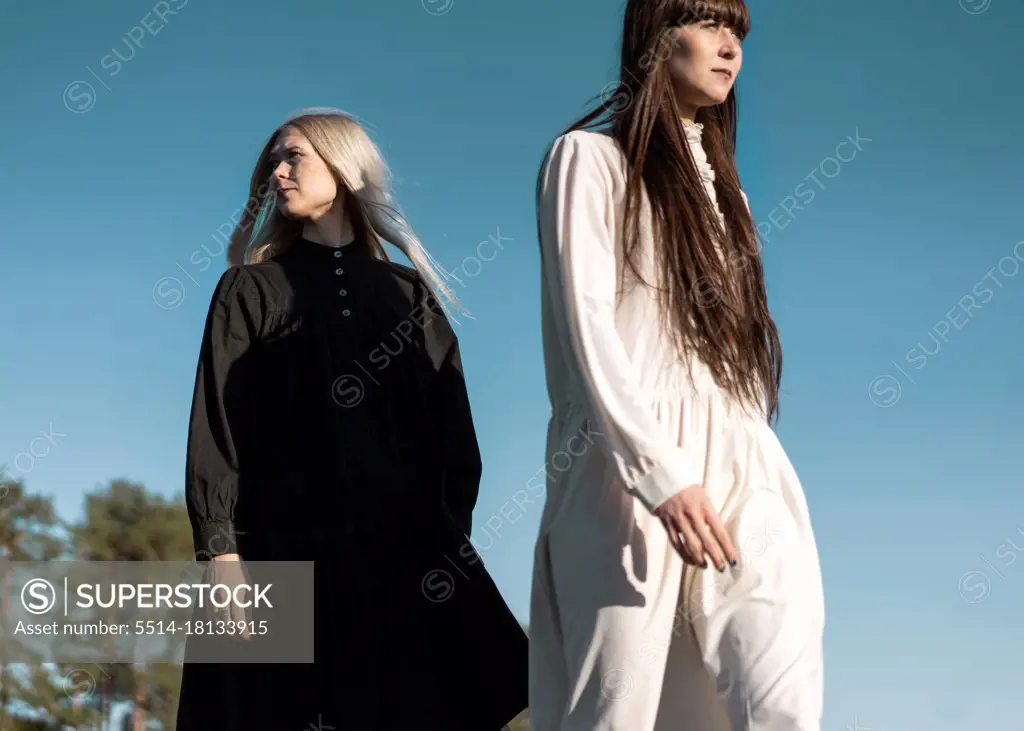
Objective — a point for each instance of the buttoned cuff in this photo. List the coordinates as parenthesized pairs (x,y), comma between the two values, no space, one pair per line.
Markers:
(656,484)
(215,539)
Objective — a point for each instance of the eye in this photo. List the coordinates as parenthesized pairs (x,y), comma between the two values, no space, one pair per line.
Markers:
(716,25)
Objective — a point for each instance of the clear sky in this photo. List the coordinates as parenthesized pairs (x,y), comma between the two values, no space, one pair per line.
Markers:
(902,399)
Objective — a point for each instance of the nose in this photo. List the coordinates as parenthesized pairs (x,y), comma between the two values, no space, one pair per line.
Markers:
(730,45)
(280,172)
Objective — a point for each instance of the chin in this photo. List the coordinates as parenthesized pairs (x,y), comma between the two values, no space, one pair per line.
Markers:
(715,95)
(289,211)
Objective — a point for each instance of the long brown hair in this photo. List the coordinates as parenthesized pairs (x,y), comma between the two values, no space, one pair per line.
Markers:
(714,304)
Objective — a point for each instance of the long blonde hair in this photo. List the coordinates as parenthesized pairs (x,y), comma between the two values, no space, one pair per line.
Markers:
(361,175)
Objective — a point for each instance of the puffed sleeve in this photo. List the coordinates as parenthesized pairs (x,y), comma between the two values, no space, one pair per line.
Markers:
(449,398)
(578,250)
(217,416)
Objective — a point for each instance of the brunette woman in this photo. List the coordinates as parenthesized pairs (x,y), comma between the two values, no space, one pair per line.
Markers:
(676,581)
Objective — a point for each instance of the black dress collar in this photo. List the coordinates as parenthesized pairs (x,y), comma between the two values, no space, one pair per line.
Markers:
(358,249)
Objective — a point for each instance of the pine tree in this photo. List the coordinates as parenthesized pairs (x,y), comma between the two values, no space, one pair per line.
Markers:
(29,531)
(125,522)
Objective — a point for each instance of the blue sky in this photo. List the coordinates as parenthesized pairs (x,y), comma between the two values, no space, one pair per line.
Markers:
(902,400)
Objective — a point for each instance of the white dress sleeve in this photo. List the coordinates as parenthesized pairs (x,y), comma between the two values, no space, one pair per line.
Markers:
(575,207)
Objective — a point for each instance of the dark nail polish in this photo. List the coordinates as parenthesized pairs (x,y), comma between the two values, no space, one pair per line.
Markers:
(733,563)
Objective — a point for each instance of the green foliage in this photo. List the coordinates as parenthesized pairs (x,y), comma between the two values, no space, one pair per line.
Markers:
(121,522)
(47,690)
(124,522)
(29,531)
(29,528)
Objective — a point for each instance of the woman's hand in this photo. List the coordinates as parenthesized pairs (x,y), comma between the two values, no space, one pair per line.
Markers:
(694,529)
(228,569)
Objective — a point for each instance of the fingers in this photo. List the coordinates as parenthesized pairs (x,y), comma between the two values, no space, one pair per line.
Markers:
(684,540)
(212,612)
(694,545)
(722,536)
(231,575)
(674,539)
(703,533)
(695,530)
(211,577)
(711,546)
(216,576)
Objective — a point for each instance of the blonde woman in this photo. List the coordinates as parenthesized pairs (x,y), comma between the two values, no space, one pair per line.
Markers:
(330,423)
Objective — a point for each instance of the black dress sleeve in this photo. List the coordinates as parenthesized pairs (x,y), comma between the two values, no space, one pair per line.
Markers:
(218,412)
(460,449)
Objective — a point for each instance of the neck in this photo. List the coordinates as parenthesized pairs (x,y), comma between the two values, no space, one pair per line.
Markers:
(688,120)
(332,228)
(687,112)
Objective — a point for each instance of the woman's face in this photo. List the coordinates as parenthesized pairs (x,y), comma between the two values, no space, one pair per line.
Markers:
(305,187)
(704,64)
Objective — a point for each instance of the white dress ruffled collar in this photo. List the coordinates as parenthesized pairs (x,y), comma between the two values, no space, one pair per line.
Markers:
(694,134)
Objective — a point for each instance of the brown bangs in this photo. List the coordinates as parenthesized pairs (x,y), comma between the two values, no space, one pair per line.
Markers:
(731,13)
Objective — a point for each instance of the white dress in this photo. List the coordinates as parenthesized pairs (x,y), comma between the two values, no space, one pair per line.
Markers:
(623,635)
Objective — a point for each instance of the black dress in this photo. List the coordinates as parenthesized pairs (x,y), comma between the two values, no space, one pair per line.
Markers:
(330,423)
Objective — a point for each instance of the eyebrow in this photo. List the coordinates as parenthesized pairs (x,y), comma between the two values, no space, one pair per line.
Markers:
(276,152)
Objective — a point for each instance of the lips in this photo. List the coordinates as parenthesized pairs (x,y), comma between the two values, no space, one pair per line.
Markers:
(724,72)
